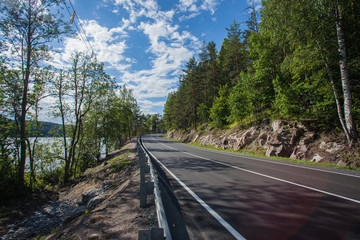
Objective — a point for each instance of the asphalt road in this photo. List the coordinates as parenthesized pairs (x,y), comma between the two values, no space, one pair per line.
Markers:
(227,195)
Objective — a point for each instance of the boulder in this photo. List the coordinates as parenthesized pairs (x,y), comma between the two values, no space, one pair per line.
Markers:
(263,135)
(262,139)
(275,140)
(341,163)
(106,185)
(317,158)
(218,142)
(95,201)
(195,138)
(279,151)
(170,134)
(225,144)
(300,152)
(280,144)
(230,141)
(295,135)
(271,151)
(262,142)
(284,150)
(331,147)
(246,138)
(88,195)
(308,138)
(277,125)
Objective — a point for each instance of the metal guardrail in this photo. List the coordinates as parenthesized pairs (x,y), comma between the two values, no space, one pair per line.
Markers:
(151,187)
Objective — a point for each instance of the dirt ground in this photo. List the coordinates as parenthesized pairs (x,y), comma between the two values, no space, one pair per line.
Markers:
(119,215)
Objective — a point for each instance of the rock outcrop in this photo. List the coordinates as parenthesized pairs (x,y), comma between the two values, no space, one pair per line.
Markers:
(278,138)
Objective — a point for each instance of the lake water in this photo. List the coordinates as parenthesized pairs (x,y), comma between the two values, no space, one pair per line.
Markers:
(55,146)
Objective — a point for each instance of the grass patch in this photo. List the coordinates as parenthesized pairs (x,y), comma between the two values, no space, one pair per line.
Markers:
(252,154)
(119,162)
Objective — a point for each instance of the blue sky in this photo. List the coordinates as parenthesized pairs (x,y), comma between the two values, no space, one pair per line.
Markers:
(145,43)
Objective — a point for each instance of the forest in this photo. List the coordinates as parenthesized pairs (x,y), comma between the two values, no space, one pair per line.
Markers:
(95,112)
(296,60)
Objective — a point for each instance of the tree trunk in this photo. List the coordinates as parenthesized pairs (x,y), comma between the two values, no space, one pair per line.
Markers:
(31,161)
(350,125)
(337,100)
(21,172)
(63,123)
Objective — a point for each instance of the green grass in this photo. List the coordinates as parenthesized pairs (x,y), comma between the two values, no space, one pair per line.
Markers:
(252,154)
(119,162)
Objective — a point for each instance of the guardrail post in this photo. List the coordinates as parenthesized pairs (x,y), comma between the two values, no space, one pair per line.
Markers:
(145,189)
(143,170)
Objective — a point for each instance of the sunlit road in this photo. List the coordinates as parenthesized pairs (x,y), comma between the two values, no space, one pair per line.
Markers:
(227,195)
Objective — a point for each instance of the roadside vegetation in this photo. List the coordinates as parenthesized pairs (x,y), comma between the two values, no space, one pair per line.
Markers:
(96,115)
(297,61)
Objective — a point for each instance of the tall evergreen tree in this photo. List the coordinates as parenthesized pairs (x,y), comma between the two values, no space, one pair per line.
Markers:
(234,57)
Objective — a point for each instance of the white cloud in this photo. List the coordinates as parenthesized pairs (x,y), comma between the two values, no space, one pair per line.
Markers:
(257,4)
(163,74)
(139,8)
(187,17)
(209,5)
(197,6)
(169,46)
(188,5)
(147,104)
(108,44)
(171,49)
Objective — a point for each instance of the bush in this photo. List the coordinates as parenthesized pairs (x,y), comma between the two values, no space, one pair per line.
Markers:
(219,112)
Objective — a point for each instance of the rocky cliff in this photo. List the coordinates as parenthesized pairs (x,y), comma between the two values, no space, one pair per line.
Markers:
(279,138)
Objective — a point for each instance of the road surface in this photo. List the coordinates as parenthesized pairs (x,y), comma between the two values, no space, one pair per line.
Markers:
(227,195)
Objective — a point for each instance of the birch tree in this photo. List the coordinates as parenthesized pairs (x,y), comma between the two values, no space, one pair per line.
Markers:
(77,91)
(28,26)
(338,9)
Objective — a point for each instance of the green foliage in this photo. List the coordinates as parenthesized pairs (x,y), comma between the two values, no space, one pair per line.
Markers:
(241,99)
(286,66)
(219,112)
(95,113)
(203,113)
(27,28)
(7,164)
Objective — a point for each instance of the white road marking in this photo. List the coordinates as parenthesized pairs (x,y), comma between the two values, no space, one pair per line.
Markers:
(264,175)
(225,224)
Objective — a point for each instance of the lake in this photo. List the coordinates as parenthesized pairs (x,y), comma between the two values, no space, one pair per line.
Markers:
(55,146)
